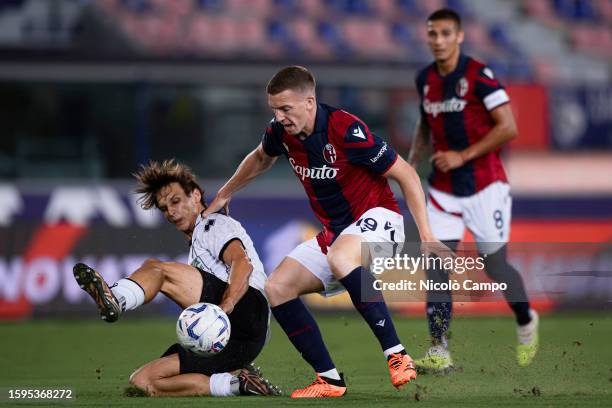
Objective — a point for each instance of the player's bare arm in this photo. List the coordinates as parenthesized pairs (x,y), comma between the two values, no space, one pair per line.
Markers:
(254,164)
(410,183)
(240,270)
(504,130)
(420,142)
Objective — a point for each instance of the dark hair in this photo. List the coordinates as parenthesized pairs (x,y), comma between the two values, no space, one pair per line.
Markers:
(293,77)
(446,14)
(154,176)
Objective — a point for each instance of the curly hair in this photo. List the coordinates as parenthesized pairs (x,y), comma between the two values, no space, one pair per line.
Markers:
(155,175)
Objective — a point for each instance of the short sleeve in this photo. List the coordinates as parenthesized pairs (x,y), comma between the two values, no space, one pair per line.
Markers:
(218,233)
(489,89)
(272,139)
(367,149)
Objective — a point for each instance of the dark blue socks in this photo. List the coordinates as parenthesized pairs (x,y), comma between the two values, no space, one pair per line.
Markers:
(303,332)
(371,305)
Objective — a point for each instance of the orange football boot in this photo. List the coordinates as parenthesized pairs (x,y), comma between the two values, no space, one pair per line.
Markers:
(322,387)
(401,369)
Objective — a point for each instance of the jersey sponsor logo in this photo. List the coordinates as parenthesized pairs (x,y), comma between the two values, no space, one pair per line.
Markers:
(447,106)
(329,153)
(382,151)
(315,173)
(462,87)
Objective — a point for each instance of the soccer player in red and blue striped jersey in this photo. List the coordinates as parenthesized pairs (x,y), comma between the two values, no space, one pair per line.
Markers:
(344,169)
(466,113)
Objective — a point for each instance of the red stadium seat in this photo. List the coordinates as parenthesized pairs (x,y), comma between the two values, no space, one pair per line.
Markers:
(313,8)
(369,37)
(386,9)
(256,8)
(305,33)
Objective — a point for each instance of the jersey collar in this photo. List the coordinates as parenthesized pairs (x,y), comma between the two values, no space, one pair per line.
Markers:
(461,64)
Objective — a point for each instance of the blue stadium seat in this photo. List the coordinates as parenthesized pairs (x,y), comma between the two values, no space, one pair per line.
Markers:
(359,7)
(459,7)
(288,7)
(210,5)
(410,7)
(278,31)
(349,6)
(584,10)
(331,35)
(499,35)
(138,6)
(575,9)
(403,35)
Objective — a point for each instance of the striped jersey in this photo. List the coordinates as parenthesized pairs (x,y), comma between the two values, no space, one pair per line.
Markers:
(456,107)
(210,238)
(340,165)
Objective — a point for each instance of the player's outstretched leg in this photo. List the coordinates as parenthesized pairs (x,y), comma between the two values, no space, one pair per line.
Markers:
(374,311)
(303,332)
(344,258)
(283,288)
(499,270)
(93,283)
(252,382)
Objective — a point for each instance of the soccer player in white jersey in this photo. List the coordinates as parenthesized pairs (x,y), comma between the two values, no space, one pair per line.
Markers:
(224,269)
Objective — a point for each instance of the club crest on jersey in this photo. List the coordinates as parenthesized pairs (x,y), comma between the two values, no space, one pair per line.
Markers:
(329,153)
(462,87)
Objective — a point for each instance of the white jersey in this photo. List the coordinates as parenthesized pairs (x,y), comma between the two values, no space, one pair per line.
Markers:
(211,236)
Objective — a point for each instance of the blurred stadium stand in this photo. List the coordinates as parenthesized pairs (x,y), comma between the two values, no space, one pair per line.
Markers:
(93,87)
(541,40)
(89,89)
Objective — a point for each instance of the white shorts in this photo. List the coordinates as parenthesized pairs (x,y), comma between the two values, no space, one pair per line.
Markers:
(487,214)
(377,225)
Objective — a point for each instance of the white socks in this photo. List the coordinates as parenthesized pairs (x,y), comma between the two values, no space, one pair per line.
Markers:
(224,385)
(129,294)
(393,350)
(526,332)
(438,350)
(332,374)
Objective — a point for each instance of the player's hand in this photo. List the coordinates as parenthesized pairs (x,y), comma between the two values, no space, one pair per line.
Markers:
(434,247)
(446,161)
(220,202)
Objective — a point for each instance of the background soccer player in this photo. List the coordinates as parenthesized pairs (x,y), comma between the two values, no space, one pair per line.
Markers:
(219,249)
(344,170)
(467,113)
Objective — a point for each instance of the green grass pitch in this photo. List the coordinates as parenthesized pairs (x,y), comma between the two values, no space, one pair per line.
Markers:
(574,366)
